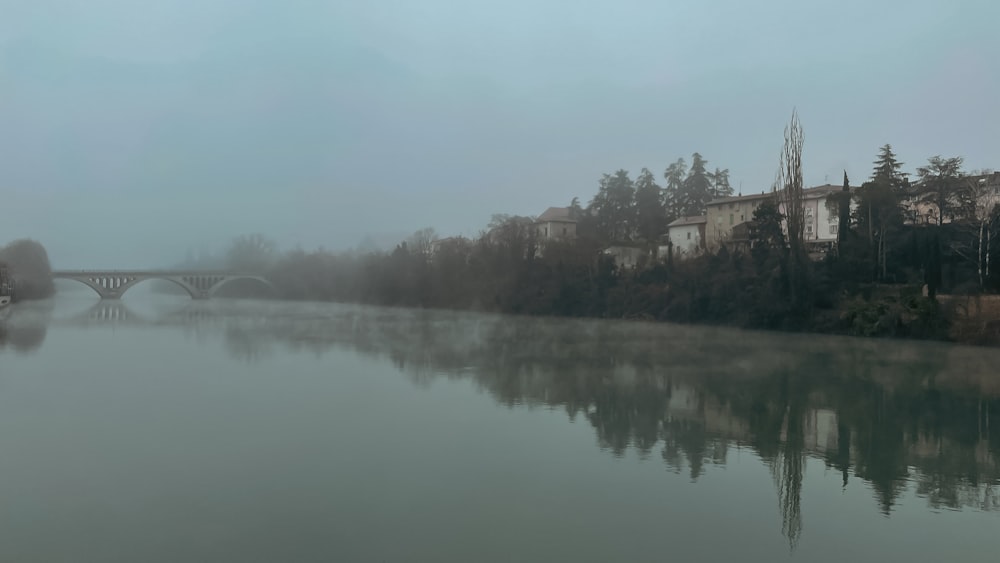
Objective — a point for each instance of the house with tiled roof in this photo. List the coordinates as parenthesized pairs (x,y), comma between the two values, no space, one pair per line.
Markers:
(556,223)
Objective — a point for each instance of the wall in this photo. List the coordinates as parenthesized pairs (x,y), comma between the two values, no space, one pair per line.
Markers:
(724,215)
(686,239)
(625,256)
(556,229)
(820,218)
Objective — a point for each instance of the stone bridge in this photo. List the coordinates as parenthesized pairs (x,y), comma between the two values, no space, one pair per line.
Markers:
(112,284)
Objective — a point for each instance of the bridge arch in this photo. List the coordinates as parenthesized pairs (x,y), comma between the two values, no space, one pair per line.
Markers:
(114,287)
(259,279)
(199,285)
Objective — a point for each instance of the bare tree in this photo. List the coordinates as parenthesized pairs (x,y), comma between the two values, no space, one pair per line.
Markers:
(252,253)
(985,199)
(788,186)
(421,241)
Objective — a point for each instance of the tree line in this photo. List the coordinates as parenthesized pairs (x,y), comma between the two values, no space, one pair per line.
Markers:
(935,232)
(27,263)
(627,210)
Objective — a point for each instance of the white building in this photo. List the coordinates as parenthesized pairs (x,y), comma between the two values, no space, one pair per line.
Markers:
(820,219)
(687,235)
(626,256)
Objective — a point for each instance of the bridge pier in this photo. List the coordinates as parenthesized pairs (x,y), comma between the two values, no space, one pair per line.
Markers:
(112,285)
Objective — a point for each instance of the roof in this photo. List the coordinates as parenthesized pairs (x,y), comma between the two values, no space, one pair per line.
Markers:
(684,221)
(820,191)
(734,199)
(556,215)
(448,240)
(807,193)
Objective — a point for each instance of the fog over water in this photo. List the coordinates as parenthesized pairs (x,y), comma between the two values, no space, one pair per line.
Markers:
(161,429)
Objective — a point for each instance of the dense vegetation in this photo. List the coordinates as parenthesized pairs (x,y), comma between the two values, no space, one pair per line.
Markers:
(28,265)
(771,283)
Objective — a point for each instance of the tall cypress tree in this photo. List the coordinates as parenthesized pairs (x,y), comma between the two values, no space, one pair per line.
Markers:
(845,213)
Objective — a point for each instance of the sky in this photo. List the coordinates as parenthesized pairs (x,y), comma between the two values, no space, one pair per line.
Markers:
(133,133)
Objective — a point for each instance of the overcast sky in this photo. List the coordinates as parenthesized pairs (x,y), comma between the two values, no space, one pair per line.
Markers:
(133,131)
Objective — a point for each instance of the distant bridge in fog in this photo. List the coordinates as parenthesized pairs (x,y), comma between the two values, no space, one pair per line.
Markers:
(112,284)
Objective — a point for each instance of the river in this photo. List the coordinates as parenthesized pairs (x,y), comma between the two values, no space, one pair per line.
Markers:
(158,429)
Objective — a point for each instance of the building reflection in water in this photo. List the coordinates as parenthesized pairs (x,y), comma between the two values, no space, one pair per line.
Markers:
(897,415)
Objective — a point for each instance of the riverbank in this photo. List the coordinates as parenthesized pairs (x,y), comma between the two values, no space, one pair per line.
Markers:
(574,280)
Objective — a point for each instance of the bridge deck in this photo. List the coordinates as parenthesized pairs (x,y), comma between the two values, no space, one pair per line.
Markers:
(112,284)
(150,273)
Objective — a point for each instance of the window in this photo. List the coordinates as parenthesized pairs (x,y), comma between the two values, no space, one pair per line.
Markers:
(546,231)
(833,229)
(730,219)
(564,230)
(809,229)
(732,206)
(689,235)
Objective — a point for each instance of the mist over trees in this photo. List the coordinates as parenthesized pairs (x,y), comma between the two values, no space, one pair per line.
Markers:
(773,282)
(28,265)
(627,210)
(937,232)
(251,254)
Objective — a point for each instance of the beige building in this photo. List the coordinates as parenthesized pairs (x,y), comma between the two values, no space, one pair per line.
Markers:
(722,214)
(820,221)
(556,223)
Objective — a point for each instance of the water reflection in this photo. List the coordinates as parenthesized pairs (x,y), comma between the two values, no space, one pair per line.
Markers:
(896,415)
(23,327)
(892,414)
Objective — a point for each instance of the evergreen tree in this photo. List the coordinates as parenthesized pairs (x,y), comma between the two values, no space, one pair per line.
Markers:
(767,221)
(720,183)
(887,169)
(575,211)
(614,208)
(649,213)
(674,176)
(696,190)
(942,184)
(844,211)
(879,218)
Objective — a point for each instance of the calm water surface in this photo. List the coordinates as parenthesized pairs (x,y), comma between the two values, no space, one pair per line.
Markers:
(167,430)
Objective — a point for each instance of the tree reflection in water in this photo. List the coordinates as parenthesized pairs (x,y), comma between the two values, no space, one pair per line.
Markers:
(898,415)
(23,327)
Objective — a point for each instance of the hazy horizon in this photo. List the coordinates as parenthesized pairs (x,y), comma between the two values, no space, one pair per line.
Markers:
(131,134)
